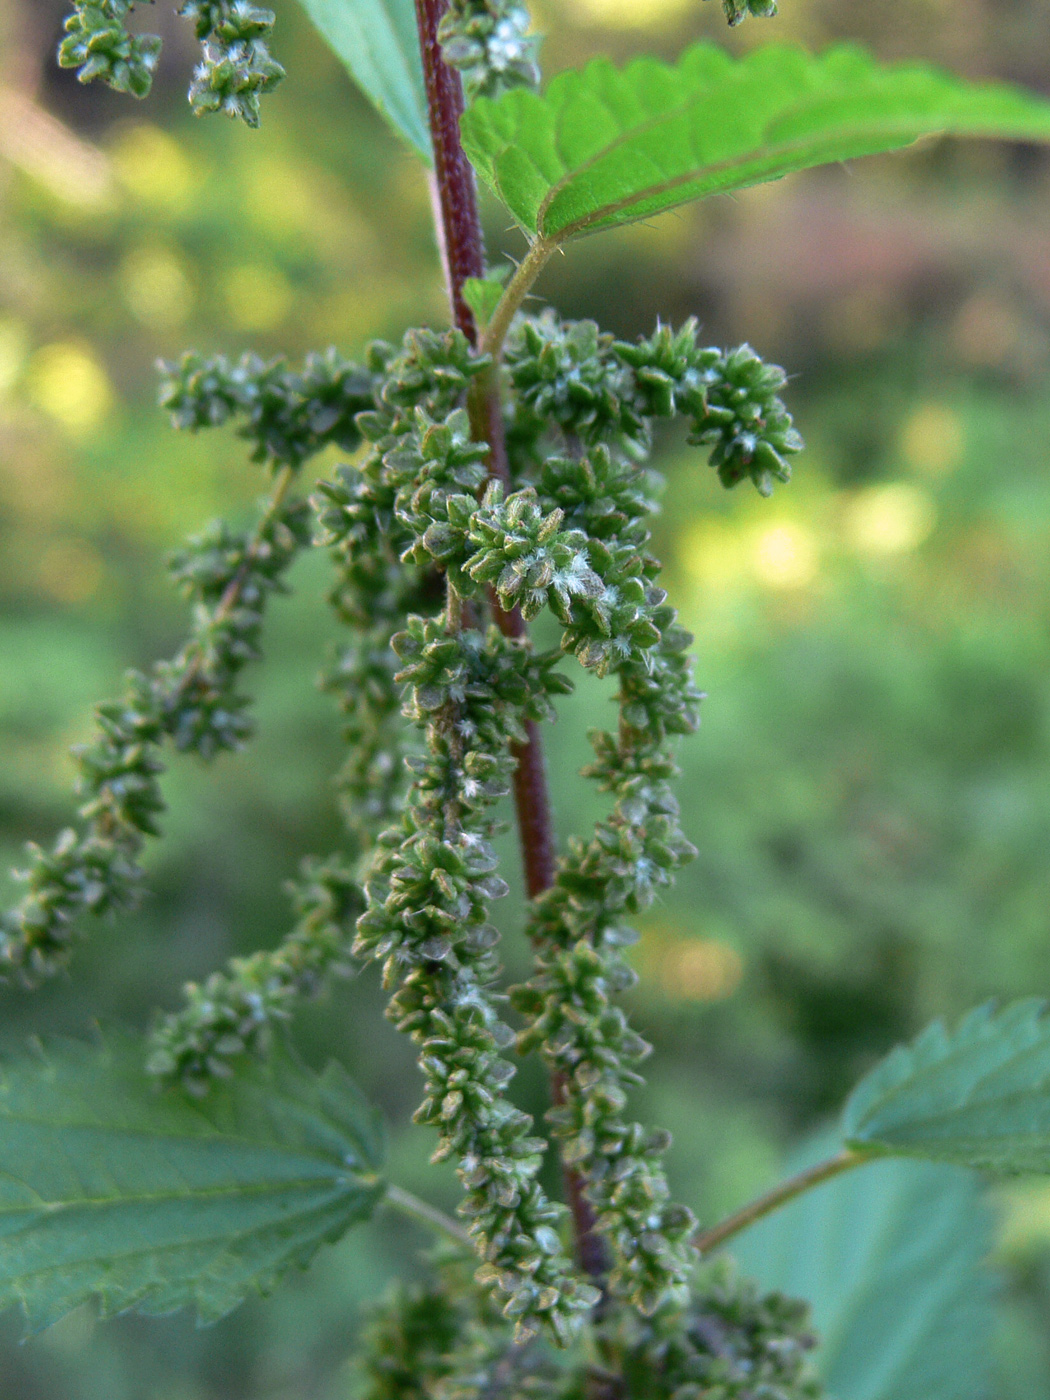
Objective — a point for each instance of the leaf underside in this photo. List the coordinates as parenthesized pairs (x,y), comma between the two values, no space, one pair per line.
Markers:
(378,42)
(112,1190)
(605,146)
(978,1095)
(890,1258)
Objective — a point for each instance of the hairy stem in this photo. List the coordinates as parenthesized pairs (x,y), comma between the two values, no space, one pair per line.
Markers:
(426,1214)
(461,240)
(456,195)
(516,291)
(844,1161)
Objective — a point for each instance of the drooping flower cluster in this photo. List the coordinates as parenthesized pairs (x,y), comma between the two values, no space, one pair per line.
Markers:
(192,701)
(428,889)
(98,44)
(489,42)
(436,702)
(591,388)
(236,66)
(430,1342)
(736,11)
(733,1342)
(287,415)
(235,1009)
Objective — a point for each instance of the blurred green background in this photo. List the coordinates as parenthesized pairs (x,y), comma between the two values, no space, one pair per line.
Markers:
(870,789)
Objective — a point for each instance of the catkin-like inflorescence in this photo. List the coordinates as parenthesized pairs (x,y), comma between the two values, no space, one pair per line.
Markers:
(236,66)
(489,42)
(287,415)
(619,623)
(192,701)
(99,45)
(234,1011)
(733,1342)
(428,891)
(592,389)
(736,11)
(360,520)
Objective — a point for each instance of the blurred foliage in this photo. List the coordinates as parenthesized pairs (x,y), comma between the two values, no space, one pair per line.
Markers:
(870,789)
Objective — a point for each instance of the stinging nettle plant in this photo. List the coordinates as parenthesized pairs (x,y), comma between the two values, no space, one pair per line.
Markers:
(499,471)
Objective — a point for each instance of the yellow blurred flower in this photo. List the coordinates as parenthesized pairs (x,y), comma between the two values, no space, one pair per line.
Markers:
(700,969)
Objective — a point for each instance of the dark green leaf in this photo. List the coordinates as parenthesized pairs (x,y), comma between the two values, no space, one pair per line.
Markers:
(604,146)
(378,42)
(890,1258)
(113,1190)
(979,1095)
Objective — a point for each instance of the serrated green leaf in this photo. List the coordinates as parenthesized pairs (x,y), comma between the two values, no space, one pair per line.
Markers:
(605,146)
(890,1257)
(378,42)
(113,1190)
(979,1095)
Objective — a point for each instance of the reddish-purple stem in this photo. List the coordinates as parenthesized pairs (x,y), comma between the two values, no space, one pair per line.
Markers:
(460,229)
(460,235)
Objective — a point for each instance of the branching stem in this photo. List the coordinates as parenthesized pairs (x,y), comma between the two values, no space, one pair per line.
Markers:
(844,1161)
(517,290)
(426,1214)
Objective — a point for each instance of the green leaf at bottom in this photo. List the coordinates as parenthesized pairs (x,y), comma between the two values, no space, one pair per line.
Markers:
(890,1258)
(111,1190)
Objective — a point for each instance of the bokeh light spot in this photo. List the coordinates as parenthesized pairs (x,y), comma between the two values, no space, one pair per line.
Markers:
(155,287)
(258,297)
(785,556)
(68,383)
(933,440)
(700,969)
(891,519)
(152,167)
(630,14)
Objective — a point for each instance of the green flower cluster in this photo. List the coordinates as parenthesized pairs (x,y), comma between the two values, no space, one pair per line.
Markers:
(235,1009)
(286,415)
(432,1341)
(442,1340)
(98,43)
(593,389)
(192,701)
(428,888)
(738,10)
(733,1343)
(619,622)
(235,70)
(489,42)
(366,517)
(236,67)
(436,704)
